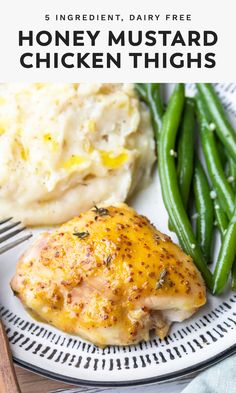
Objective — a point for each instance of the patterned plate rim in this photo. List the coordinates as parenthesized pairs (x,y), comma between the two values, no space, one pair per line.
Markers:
(145,381)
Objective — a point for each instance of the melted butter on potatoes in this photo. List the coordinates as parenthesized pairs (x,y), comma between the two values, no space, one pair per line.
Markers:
(63,146)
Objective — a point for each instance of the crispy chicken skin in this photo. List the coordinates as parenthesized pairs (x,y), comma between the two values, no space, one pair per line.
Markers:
(109,276)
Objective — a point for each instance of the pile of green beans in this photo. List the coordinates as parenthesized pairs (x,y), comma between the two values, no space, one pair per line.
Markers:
(213,120)
(210,181)
(169,183)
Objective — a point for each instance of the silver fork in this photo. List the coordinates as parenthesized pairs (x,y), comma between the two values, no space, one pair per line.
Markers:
(8,379)
(6,234)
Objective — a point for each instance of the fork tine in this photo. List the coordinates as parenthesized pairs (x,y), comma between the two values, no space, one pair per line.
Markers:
(11,234)
(14,243)
(5,220)
(7,227)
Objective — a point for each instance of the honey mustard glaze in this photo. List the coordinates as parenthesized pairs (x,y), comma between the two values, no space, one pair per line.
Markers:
(109,276)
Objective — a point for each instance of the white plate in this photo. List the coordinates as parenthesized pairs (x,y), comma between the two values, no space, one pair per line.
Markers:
(192,345)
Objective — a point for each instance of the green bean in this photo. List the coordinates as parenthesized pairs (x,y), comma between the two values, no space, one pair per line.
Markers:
(233,283)
(222,153)
(155,103)
(232,170)
(141,89)
(222,222)
(232,173)
(204,209)
(226,257)
(150,94)
(186,150)
(227,171)
(224,129)
(221,218)
(169,183)
(215,170)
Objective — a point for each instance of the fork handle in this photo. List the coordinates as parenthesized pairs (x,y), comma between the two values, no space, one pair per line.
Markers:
(8,380)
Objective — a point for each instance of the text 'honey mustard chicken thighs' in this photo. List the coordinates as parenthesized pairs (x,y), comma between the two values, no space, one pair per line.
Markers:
(110,277)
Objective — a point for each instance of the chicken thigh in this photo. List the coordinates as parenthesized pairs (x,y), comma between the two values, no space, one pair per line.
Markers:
(110,277)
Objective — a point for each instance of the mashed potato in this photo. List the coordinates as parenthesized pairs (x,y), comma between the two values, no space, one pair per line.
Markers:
(65,146)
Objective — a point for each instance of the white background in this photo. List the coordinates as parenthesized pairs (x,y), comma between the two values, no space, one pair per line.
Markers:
(206,15)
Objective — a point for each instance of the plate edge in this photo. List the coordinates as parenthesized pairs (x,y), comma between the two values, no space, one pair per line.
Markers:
(147,381)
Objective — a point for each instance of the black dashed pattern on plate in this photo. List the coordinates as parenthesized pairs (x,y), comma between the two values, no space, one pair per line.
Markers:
(71,351)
